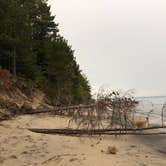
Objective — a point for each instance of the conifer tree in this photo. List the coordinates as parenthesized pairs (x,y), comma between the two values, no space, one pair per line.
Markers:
(31,47)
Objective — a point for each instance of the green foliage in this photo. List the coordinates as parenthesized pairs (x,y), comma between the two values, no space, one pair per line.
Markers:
(32,48)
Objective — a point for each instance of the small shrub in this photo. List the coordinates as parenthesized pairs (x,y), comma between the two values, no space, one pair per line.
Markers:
(5,79)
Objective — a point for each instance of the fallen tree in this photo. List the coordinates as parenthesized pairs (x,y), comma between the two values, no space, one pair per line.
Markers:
(79,132)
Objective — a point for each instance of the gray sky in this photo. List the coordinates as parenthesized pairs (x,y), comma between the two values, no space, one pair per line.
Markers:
(118,43)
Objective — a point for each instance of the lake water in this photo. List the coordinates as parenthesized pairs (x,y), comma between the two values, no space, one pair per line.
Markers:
(154,104)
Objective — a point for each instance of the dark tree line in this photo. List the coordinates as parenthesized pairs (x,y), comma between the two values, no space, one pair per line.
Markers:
(32,48)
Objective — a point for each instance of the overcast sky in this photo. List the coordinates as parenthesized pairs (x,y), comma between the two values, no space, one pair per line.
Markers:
(118,43)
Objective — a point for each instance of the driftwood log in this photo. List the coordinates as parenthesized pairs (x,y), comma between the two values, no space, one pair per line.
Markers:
(56,109)
(100,131)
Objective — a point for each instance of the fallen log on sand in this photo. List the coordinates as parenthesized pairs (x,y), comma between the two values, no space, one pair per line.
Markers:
(99,131)
(56,109)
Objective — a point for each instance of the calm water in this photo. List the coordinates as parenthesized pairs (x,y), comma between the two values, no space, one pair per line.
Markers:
(153,104)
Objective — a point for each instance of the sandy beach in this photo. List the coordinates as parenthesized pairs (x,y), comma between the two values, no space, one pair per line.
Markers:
(20,147)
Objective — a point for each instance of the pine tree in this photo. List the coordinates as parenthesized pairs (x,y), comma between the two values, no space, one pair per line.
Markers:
(31,47)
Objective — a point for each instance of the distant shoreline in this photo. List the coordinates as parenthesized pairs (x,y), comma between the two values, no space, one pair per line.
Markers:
(143,97)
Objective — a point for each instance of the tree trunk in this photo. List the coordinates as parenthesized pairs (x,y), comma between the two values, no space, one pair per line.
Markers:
(14,62)
(99,132)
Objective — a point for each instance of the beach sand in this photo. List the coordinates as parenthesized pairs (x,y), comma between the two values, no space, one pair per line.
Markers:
(20,147)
